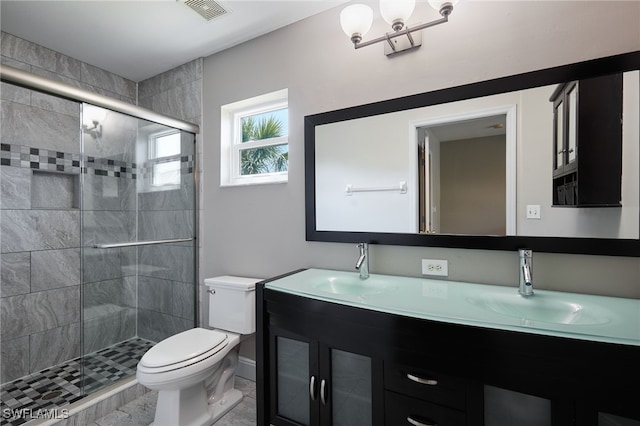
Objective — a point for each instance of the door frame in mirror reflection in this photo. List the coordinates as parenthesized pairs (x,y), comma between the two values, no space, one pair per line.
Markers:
(587,69)
(509,193)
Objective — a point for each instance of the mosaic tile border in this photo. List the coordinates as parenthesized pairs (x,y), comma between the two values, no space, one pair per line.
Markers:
(186,165)
(14,155)
(111,168)
(39,159)
(47,392)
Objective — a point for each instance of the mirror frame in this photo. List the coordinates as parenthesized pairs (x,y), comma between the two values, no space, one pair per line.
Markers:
(581,70)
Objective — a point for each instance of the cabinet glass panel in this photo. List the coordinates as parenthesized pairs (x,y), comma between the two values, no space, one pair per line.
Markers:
(573,117)
(293,379)
(605,419)
(559,135)
(350,389)
(505,407)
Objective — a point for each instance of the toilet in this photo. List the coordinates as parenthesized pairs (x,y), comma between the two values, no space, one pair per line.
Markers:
(194,371)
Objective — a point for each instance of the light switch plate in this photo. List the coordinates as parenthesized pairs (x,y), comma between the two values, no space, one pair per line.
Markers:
(435,267)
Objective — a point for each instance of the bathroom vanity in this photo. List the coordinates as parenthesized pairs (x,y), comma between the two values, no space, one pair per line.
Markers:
(334,349)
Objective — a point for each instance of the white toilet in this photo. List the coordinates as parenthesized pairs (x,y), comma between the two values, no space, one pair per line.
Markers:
(194,371)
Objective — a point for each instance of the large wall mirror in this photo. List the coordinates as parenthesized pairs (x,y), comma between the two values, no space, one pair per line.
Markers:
(549,160)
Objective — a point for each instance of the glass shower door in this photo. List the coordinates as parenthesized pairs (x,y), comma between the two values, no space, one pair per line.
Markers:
(138,240)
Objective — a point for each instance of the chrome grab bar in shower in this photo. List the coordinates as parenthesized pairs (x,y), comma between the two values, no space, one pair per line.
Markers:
(142,243)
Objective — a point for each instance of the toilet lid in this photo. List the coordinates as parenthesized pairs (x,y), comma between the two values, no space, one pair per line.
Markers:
(184,346)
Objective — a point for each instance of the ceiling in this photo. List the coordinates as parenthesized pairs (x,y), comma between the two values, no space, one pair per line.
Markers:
(140,39)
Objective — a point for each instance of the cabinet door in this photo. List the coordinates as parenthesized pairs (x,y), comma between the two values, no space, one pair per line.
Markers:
(605,419)
(313,384)
(505,407)
(294,383)
(558,136)
(572,123)
(351,389)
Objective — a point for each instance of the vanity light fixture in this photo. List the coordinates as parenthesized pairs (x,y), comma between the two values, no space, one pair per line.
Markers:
(356,21)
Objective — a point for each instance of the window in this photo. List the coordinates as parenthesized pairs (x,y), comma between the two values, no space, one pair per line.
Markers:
(164,159)
(255,140)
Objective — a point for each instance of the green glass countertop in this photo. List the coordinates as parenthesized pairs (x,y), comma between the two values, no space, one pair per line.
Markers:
(552,313)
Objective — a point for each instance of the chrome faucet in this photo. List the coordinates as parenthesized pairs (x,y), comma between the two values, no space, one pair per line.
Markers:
(362,264)
(526,272)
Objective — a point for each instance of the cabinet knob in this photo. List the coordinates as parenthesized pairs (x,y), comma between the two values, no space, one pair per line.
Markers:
(415,422)
(430,382)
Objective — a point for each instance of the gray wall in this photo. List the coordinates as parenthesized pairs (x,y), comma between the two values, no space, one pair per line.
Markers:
(259,230)
(40,235)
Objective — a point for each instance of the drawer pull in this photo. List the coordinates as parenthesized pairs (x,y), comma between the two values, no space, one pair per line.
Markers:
(312,388)
(414,422)
(430,382)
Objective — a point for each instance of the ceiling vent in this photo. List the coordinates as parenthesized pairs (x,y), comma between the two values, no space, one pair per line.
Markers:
(208,9)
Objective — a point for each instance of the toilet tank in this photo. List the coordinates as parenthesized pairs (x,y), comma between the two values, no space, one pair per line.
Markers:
(232,303)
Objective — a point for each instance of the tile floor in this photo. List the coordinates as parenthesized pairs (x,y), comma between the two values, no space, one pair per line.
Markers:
(59,386)
(140,412)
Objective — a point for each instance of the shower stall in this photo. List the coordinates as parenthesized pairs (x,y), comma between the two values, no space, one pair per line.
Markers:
(98,240)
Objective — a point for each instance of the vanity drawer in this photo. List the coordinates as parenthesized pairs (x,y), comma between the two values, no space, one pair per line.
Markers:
(400,410)
(421,383)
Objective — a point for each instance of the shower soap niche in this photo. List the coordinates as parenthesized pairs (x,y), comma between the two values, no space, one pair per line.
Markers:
(51,190)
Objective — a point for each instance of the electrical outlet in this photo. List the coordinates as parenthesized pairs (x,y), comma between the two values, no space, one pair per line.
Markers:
(435,267)
(533,211)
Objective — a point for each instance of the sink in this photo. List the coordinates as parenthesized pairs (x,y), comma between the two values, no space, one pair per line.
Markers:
(547,312)
(352,285)
(542,308)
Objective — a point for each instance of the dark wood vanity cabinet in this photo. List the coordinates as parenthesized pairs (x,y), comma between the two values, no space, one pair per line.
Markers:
(401,370)
(587,142)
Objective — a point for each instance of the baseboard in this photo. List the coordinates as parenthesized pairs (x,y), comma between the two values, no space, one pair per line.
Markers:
(246,369)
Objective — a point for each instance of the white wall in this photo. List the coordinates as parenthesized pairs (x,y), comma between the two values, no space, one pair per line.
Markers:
(365,153)
(260,231)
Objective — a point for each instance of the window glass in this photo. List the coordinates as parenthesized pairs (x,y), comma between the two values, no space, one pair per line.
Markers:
(254,143)
(167,145)
(269,159)
(164,156)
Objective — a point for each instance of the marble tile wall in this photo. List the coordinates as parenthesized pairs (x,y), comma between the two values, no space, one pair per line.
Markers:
(177,92)
(40,249)
(166,277)
(39,60)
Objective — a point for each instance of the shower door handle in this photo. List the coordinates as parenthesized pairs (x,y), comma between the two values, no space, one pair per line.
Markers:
(141,243)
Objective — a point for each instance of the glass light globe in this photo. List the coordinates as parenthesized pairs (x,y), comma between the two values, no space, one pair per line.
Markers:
(437,4)
(356,19)
(394,11)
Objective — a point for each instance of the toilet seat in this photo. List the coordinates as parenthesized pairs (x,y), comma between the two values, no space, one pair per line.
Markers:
(183,349)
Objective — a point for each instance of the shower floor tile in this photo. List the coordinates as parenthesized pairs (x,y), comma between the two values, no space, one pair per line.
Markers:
(45,393)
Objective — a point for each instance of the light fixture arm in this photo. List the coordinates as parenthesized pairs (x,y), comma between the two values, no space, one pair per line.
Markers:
(406,31)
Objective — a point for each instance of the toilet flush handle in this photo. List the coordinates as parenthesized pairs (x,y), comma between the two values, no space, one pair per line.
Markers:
(212,291)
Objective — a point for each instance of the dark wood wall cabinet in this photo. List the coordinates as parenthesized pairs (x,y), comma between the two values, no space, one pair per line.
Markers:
(323,363)
(587,142)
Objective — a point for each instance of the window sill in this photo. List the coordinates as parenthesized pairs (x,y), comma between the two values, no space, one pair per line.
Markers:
(256,181)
